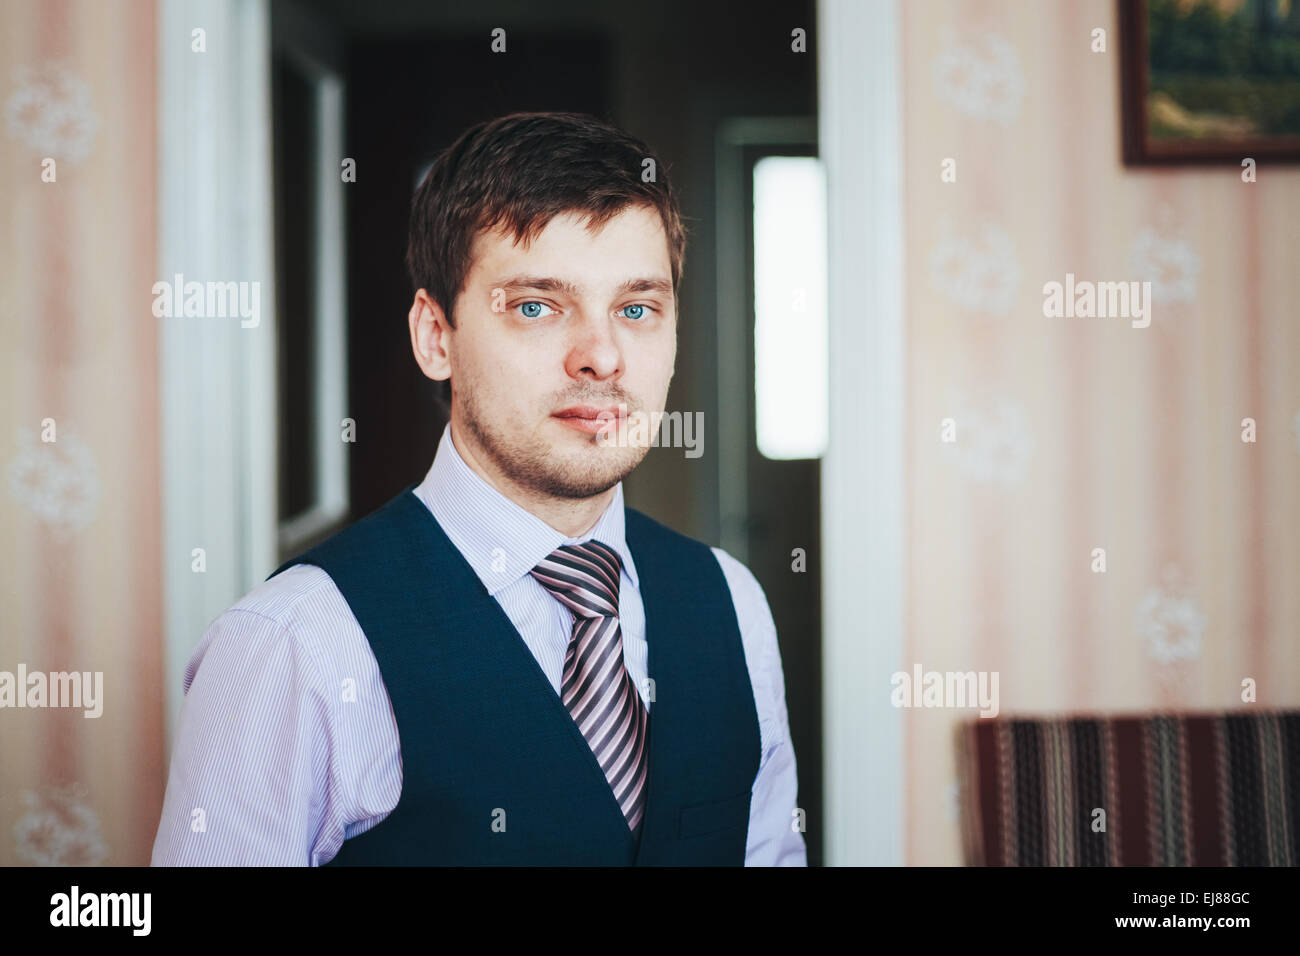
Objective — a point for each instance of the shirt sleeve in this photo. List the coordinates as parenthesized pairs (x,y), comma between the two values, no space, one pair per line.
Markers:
(250,777)
(775,829)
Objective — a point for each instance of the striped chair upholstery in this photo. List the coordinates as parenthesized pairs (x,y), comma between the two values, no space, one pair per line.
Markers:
(1153,790)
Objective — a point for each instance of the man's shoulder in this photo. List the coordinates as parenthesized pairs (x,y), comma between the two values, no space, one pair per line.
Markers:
(636,520)
(296,614)
(744,586)
(298,590)
(375,531)
(643,529)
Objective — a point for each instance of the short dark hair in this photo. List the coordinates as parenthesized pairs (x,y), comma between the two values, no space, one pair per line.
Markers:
(519,171)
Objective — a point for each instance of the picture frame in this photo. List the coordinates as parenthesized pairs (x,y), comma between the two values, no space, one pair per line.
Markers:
(1210,82)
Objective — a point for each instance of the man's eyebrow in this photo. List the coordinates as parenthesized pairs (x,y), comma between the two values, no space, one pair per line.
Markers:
(646,285)
(563,286)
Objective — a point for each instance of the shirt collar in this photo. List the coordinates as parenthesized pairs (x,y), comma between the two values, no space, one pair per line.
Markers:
(502,541)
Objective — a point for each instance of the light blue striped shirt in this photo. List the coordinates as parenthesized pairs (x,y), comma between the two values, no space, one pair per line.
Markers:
(273,766)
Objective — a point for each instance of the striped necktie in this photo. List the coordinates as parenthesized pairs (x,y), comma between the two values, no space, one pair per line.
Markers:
(596,688)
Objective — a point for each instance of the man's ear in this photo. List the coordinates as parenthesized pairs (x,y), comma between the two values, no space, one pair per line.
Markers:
(430,337)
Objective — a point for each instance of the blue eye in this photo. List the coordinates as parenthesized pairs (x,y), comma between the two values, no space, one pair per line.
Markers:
(532,310)
(628,310)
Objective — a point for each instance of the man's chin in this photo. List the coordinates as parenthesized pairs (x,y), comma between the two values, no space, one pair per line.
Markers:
(559,461)
(587,472)
(577,487)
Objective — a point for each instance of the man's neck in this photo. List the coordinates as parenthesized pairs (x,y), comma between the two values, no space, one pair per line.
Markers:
(571,517)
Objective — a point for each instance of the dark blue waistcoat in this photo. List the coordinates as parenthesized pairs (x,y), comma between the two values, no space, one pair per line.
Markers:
(485,738)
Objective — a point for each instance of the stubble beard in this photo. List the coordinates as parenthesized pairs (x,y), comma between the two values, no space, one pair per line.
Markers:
(539,467)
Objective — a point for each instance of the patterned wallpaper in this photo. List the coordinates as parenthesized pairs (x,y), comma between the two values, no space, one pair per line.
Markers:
(1075,434)
(80,587)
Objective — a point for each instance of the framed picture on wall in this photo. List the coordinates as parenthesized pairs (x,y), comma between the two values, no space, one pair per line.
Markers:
(1210,81)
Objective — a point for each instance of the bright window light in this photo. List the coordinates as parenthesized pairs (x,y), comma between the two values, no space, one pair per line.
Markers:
(790,390)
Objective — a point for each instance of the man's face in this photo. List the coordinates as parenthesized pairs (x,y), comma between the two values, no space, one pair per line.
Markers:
(546,334)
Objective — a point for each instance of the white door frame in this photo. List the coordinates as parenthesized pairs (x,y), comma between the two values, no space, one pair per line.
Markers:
(860,117)
(217,377)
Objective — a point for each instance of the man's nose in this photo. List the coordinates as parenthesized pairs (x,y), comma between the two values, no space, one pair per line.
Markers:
(594,351)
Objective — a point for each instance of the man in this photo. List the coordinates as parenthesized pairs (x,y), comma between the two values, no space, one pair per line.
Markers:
(504,665)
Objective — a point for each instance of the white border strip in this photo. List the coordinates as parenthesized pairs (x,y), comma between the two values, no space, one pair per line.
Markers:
(859,80)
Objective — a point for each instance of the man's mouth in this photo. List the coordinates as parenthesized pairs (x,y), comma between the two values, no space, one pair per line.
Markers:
(589,419)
